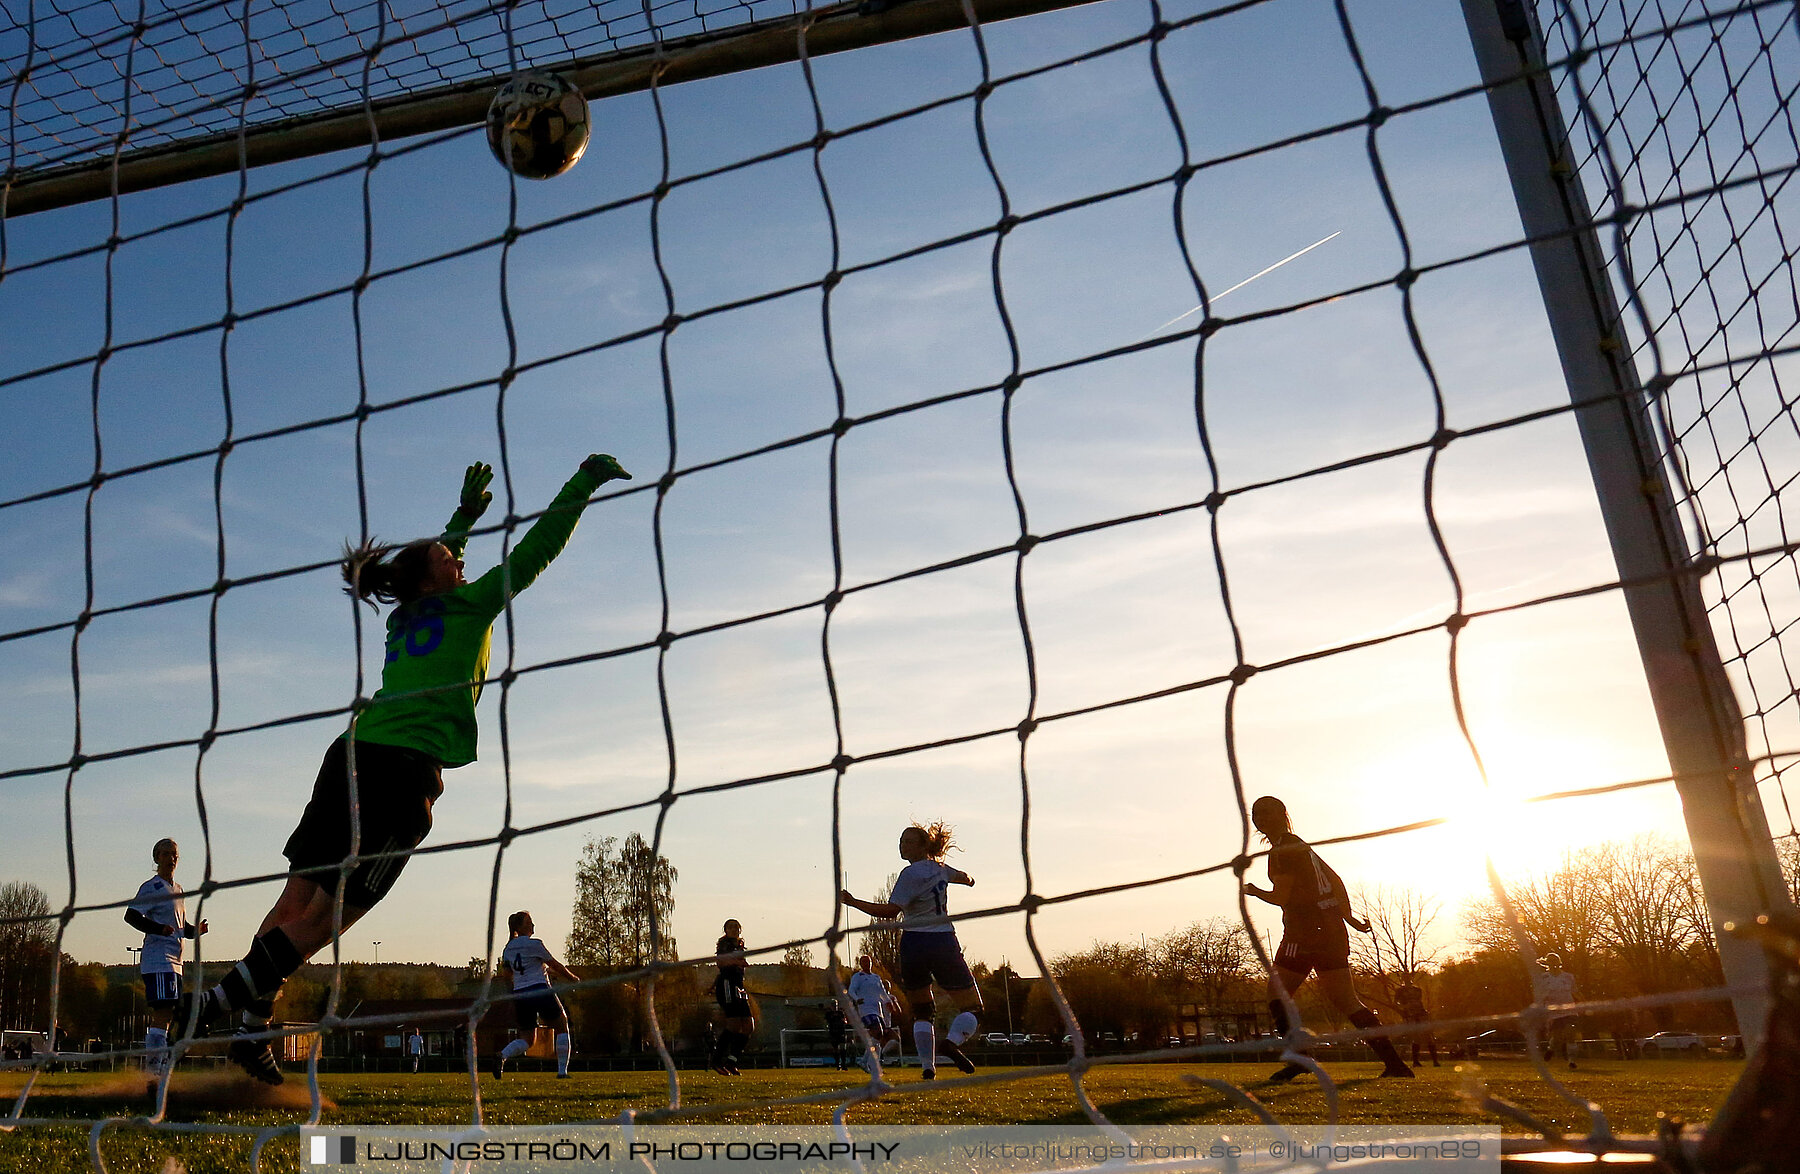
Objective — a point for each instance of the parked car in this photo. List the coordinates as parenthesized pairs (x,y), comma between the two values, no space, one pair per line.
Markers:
(997,1039)
(1671,1041)
(23,1045)
(1494,1041)
(1018,1039)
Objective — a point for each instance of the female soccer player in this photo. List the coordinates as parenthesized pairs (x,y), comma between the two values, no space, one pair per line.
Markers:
(872,999)
(734,1000)
(159,912)
(929,952)
(421,720)
(1314,910)
(531,966)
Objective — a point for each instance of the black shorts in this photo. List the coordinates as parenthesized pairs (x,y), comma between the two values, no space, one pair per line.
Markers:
(162,989)
(395,790)
(733,999)
(1319,950)
(542,1004)
(928,956)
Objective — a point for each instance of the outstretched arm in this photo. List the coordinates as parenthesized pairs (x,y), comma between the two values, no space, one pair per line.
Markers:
(886,910)
(469,507)
(958,877)
(548,535)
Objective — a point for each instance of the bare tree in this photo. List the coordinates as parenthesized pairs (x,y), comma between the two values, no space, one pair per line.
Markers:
(1559,911)
(1787,850)
(881,941)
(1653,917)
(1401,918)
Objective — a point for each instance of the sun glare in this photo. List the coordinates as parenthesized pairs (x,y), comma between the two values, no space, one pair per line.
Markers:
(1494,817)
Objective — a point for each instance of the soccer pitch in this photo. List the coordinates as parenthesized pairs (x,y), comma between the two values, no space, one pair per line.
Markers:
(1633,1093)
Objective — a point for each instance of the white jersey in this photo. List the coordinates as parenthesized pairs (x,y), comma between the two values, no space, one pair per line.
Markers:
(868,992)
(921,891)
(1555,988)
(161,901)
(526,958)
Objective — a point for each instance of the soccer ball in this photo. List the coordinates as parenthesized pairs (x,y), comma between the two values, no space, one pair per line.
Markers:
(544,121)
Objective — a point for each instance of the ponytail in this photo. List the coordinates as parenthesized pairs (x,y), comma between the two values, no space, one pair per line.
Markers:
(937,838)
(377,573)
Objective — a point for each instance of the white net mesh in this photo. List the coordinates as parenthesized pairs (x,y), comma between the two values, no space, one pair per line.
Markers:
(1071,427)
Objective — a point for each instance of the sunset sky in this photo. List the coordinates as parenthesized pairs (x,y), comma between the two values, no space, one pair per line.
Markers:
(1354,741)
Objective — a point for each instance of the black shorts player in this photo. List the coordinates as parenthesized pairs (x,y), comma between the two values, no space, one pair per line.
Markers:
(542,1005)
(396,788)
(729,990)
(1313,936)
(421,720)
(925,957)
(1311,948)
(733,998)
(1315,908)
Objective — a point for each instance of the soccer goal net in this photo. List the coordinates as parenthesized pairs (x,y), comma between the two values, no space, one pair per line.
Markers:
(1068,421)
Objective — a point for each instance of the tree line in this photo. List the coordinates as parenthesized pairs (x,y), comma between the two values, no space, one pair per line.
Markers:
(1627,917)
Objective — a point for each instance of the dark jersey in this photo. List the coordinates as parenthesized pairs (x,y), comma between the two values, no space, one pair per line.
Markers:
(1316,898)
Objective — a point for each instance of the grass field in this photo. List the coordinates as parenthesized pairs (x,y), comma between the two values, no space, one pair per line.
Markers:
(1632,1093)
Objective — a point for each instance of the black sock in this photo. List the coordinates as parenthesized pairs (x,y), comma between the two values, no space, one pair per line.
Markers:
(1278,1011)
(258,978)
(1384,1047)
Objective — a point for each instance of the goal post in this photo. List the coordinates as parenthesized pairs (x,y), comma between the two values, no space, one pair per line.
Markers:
(1702,728)
(835,28)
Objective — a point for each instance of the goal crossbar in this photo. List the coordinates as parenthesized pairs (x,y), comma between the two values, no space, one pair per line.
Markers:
(833,29)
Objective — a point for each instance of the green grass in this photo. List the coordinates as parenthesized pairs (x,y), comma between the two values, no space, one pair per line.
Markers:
(1631,1093)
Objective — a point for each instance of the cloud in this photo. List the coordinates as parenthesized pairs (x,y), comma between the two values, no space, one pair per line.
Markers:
(26,589)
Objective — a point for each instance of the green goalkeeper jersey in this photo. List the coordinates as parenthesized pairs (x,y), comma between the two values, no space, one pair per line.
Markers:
(437,646)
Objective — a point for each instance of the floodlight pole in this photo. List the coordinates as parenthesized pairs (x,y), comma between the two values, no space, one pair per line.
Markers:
(1702,728)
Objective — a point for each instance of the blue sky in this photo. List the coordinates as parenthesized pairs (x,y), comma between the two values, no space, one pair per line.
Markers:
(1354,741)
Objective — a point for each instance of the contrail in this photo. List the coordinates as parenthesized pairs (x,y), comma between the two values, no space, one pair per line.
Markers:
(1243,283)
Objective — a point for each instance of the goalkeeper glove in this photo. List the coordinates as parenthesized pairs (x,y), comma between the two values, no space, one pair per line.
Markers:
(605,468)
(475,495)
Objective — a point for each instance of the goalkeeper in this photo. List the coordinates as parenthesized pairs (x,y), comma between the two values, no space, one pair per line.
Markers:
(353,844)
